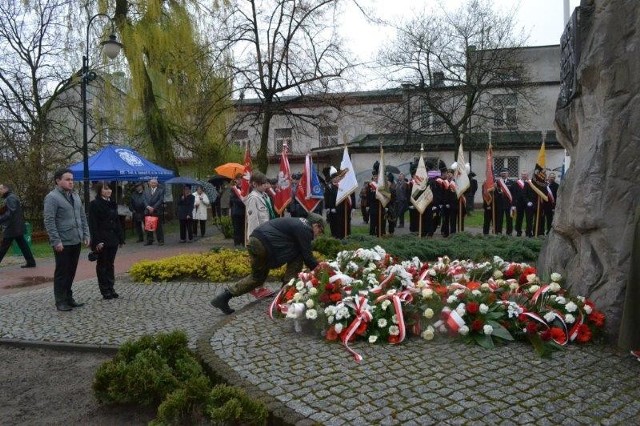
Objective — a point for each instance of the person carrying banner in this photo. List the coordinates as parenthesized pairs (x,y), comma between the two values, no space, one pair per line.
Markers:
(550,205)
(523,203)
(374,205)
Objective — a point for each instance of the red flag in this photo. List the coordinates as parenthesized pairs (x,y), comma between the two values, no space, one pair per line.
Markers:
(309,191)
(246,175)
(283,187)
(489,183)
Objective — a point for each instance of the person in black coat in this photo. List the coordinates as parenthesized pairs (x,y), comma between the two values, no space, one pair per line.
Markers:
(184,212)
(550,205)
(106,236)
(238,213)
(137,205)
(279,241)
(13,221)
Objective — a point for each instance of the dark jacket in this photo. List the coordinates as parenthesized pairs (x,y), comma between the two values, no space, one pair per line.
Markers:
(137,204)
(236,205)
(286,239)
(12,219)
(155,200)
(104,223)
(185,206)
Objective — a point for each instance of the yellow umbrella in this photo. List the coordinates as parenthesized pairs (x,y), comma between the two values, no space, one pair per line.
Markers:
(229,170)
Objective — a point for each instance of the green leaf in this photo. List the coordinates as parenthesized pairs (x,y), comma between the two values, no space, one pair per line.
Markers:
(540,347)
(500,331)
(484,340)
(494,315)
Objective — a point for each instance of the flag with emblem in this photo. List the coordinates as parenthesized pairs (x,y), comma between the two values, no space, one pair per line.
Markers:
(382,190)
(282,196)
(538,181)
(309,192)
(460,173)
(348,184)
(421,194)
(489,184)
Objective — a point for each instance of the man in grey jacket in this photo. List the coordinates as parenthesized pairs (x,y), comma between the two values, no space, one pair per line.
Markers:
(154,198)
(66,223)
(13,221)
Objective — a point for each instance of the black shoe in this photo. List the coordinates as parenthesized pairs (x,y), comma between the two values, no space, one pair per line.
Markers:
(28,265)
(115,295)
(148,243)
(63,307)
(107,296)
(75,304)
(221,301)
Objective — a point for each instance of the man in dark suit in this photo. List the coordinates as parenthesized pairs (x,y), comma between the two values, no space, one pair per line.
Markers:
(154,199)
(13,222)
(66,223)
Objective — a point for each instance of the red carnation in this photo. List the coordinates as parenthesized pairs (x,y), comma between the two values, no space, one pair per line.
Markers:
(335,297)
(394,339)
(324,298)
(329,287)
(473,285)
(477,325)
(584,333)
(331,333)
(473,308)
(545,335)
(531,327)
(558,335)
(597,318)
(362,328)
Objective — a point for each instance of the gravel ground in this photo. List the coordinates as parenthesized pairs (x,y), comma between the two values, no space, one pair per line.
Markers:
(51,387)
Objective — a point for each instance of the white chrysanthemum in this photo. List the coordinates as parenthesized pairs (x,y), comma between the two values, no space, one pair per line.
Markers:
(431,272)
(311,314)
(338,327)
(534,288)
(382,322)
(427,293)
(569,319)
(549,316)
(394,330)
(571,307)
(587,309)
(313,291)
(394,319)
(561,300)
(581,298)
(556,277)
(463,331)
(487,329)
(373,338)
(428,334)
(385,304)
(461,309)
(497,274)
(299,285)
(485,286)
(451,299)
(532,278)
(498,260)
(309,303)
(554,287)
(330,319)
(330,310)
(476,292)
(342,312)
(484,308)
(513,285)
(297,297)
(428,313)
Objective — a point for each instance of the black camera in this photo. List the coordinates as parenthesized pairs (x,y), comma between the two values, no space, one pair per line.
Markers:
(92,256)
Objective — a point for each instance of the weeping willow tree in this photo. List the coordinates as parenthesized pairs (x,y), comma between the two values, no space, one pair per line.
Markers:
(178,93)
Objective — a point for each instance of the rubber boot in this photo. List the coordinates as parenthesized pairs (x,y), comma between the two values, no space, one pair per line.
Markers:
(221,301)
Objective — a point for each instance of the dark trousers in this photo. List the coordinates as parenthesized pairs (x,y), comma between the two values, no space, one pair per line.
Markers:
(186,229)
(24,248)
(138,225)
(159,232)
(488,219)
(375,219)
(449,219)
(105,270)
(203,226)
(238,230)
(502,214)
(66,265)
(401,208)
(365,213)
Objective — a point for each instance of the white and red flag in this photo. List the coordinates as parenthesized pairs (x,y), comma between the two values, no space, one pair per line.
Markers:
(421,194)
(489,184)
(460,174)
(282,196)
(348,184)
(309,192)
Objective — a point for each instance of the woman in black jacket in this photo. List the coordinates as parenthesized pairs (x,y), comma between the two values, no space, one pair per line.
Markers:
(106,237)
(185,206)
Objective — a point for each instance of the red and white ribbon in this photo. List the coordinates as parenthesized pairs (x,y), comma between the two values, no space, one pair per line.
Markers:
(450,319)
(276,302)
(396,301)
(362,314)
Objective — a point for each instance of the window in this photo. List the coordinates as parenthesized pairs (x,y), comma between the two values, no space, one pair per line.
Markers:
(283,136)
(505,107)
(240,138)
(328,136)
(429,121)
(510,163)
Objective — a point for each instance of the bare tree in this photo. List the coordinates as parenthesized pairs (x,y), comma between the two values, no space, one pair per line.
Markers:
(32,84)
(287,49)
(449,63)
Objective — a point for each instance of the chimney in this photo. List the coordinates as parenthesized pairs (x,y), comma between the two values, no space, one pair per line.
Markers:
(438,79)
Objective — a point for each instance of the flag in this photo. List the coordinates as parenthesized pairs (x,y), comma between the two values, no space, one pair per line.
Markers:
(538,181)
(421,194)
(460,174)
(382,190)
(309,192)
(282,196)
(245,187)
(489,183)
(348,184)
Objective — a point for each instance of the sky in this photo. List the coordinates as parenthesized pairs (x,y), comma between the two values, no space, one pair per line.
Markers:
(541,20)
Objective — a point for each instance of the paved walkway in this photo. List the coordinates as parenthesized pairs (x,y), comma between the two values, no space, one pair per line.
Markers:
(305,380)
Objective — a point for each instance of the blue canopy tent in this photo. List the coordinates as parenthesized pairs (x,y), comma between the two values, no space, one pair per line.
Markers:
(120,163)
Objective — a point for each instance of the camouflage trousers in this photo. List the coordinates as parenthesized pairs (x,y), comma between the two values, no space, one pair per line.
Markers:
(259,257)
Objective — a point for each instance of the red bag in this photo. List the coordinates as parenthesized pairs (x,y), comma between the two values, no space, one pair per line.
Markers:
(150,223)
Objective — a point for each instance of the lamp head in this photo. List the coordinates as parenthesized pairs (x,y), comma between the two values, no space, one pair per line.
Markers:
(111,47)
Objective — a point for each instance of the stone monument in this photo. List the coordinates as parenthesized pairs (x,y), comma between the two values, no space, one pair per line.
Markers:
(598,122)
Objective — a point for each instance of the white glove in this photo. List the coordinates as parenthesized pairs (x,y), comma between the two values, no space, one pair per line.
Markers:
(435,208)
(529,204)
(513,209)
(447,206)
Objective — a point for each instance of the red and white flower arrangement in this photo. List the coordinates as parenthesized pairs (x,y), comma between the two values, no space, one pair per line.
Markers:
(369,295)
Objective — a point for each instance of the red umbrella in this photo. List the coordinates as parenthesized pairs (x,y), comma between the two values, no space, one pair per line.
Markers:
(230,170)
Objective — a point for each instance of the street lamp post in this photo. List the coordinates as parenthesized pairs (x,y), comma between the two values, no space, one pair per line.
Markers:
(111,49)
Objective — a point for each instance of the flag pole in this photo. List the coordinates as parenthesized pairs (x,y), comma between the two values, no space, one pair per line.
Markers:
(537,217)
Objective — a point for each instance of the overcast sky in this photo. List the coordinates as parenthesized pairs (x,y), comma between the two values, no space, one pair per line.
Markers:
(541,20)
